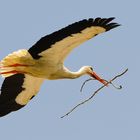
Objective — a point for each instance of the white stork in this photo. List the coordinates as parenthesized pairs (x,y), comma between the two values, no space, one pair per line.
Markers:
(25,70)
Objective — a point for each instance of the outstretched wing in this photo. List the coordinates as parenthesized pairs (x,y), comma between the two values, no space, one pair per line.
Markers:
(56,46)
(17,91)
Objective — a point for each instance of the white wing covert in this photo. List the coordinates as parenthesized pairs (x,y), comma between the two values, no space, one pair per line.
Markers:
(17,91)
(56,46)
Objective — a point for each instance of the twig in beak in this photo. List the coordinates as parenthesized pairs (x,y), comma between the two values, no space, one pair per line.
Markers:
(97,91)
(81,89)
(115,86)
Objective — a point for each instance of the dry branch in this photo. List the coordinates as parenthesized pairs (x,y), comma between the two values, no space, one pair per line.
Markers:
(88,99)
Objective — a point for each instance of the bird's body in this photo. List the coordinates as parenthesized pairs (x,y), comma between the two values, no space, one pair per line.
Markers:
(45,60)
(24,63)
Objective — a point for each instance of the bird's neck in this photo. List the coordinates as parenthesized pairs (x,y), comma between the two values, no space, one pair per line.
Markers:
(72,75)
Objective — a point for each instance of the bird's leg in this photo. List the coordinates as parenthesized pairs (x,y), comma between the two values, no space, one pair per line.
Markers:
(14,65)
(10,72)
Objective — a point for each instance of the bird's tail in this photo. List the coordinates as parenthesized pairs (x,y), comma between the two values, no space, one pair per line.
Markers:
(18,59)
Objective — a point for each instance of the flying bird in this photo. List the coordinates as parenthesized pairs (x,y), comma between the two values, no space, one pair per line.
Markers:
(25,70)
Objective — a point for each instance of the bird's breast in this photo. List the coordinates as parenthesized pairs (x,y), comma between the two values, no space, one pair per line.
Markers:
(45,70)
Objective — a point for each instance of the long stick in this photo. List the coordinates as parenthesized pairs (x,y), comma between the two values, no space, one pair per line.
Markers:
(88,99)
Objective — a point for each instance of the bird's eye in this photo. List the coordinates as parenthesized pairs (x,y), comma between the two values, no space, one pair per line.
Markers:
(91,68)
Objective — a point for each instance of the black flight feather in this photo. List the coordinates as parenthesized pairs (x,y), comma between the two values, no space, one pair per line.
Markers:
(47,41)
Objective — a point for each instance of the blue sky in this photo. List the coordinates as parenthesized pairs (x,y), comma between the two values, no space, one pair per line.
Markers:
(113,114)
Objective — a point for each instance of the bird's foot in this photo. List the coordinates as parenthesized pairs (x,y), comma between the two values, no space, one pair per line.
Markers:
(14,65)
(9,70)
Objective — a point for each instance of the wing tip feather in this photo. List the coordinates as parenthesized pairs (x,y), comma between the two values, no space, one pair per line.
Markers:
(104,22)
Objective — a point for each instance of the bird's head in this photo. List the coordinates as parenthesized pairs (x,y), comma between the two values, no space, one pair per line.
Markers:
(90,71)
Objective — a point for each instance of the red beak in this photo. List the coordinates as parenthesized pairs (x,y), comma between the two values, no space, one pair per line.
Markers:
(94,75)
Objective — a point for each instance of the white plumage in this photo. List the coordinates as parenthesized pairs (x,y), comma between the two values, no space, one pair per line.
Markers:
(32,86)
(44,60)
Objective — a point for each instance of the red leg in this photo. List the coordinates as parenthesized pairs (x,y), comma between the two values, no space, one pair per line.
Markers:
(12,72)
(14,65)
